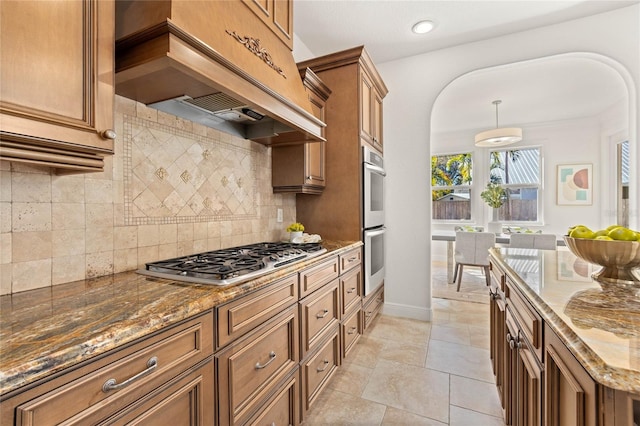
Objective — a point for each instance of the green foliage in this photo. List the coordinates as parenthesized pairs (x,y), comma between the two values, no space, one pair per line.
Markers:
(495,195)
(448,170)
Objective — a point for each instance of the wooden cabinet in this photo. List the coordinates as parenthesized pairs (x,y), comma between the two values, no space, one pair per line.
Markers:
(318,368)
(626,408)
(283,408)
(277,15)
(498,335)
(243,314)
(300,168)
(371,306)
(314,277)
(570,393)
(319,314)
(370,111)
(251,369)
(173,368)
(347,115)
(350,331)
(57,83)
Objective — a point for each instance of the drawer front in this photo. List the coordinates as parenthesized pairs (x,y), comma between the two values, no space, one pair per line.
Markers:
(173,350)
(372,307)
(319,368)
(350,331)
(244,314)
(319,312)
(351,289)
(284,407)
(187,399)
(249,369)
(498,277)
(528,319)
(350,259)
(315,277)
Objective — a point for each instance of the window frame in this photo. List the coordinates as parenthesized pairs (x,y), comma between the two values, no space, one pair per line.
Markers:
(467,187)
(539,186)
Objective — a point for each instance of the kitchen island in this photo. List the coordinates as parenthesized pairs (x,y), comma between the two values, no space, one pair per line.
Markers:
(48,332)
(558,336)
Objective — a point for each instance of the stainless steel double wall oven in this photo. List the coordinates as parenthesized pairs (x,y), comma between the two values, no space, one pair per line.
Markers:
(373,219)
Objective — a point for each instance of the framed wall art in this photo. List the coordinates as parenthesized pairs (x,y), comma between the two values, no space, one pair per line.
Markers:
(575,184)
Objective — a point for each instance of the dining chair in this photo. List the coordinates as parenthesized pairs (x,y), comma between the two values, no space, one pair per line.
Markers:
(536,241)
(472,249)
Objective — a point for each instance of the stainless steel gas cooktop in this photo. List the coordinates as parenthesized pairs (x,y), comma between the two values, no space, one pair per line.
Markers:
(232,265)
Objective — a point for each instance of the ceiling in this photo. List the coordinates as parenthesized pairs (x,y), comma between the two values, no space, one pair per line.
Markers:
(530,93)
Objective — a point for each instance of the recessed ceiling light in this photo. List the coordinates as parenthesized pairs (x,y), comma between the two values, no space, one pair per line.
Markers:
(422,27)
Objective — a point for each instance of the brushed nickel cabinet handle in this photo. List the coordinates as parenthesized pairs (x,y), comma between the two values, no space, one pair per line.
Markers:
(309,177)
(272,356)
(351,290)
(352,330)
(112,384)
(324,313)
(109,134)
(324,367)
(351,259)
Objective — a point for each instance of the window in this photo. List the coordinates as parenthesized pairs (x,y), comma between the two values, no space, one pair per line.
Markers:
(451,186)
(518,171)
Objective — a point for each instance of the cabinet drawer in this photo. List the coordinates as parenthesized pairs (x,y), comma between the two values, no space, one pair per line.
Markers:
(351,289)
(173,350)
(315,277)
(350,331)
(242,315)
(249,369)
(350,259)
(528,319)
(498,277)
(283,408)
(319,368)
(187,398)
(372,307)
(318,313)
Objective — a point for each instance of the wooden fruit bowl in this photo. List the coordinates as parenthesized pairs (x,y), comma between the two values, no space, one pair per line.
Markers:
(619,259)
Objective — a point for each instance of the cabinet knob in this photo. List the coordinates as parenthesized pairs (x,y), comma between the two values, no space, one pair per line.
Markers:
(109,134)
(309,178)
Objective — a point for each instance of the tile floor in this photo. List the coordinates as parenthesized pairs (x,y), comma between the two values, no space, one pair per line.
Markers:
(409,372)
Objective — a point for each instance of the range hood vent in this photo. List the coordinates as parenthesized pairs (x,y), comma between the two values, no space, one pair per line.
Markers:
(214,63)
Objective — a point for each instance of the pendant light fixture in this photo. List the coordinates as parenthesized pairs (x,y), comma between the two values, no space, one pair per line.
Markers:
(498,136)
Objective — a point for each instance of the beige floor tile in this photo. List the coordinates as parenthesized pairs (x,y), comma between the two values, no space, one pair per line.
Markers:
(351,378)
(464,417)
(367,351)
(475,395)
(395,417)
(401,329)
(479,336)
(417,390)
(338,408)
(404,353)
(451,333)
(460,360)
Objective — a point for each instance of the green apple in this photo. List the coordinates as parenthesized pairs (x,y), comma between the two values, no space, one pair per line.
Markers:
(602,232)
(622,234)
(582,231)
(603,238)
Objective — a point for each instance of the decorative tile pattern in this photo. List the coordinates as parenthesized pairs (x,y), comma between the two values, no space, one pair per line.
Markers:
(174,176)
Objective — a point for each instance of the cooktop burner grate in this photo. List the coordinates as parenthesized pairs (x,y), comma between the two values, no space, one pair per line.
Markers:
(230,265)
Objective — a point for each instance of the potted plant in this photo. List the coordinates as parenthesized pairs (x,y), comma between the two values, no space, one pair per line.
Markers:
(495,196)
(295,230)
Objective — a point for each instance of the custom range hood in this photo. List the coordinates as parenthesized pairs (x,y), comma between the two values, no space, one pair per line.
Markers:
(225,64)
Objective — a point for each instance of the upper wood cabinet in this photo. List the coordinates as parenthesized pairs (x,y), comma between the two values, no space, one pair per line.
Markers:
(56,83)
(370,111)
(277,15)
(300,168)
(353,78)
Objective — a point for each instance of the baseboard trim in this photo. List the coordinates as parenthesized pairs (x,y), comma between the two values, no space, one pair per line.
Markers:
(407,311)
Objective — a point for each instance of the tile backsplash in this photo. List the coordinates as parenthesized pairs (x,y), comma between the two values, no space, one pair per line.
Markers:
(172,188)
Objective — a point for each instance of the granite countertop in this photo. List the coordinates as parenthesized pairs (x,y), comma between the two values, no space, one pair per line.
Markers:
(47,330)
(599,325)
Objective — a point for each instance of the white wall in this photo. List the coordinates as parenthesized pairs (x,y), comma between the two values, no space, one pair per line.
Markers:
(414,84)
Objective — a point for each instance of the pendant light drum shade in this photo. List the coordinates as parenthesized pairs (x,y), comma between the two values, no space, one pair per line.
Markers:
(498,136)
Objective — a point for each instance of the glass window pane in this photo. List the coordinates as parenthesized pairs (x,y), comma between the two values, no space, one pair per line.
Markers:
(521,166)
(521,205)
(451,170)
(451,205)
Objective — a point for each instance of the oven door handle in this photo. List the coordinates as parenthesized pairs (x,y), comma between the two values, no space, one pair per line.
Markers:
(375,169)
(375,233)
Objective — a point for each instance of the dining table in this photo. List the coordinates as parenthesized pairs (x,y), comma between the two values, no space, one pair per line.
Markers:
(450,237)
